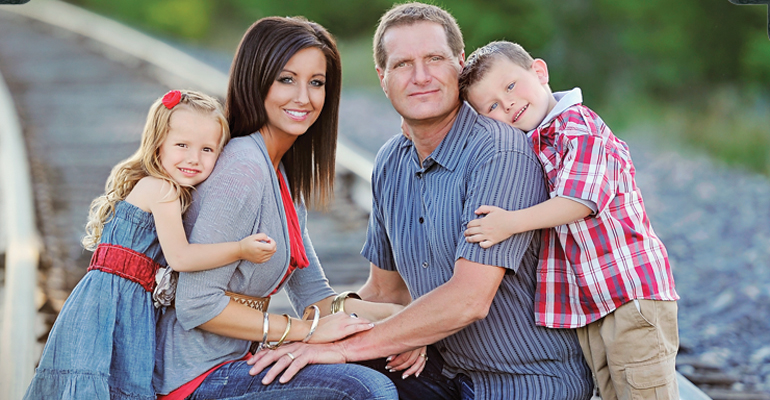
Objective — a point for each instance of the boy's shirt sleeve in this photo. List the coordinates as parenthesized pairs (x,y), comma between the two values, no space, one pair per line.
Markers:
(584,172)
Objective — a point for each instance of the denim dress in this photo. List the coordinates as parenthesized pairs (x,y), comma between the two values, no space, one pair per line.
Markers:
(102,345)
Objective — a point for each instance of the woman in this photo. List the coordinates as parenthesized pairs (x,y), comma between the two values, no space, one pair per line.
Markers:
(282,106)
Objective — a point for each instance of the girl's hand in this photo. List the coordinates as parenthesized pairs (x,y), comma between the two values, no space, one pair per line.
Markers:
(332,328)
(257,248)
(495,226)
(415,360)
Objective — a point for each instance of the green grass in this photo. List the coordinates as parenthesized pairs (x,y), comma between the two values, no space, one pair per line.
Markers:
(727,123)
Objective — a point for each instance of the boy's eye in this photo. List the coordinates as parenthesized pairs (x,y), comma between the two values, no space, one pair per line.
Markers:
(511,85)
(492,107)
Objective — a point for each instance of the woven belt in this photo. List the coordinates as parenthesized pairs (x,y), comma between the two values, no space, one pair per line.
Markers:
(126,263)
(257,303)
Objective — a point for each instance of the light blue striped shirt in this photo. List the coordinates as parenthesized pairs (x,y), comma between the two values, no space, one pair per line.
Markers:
(416,227)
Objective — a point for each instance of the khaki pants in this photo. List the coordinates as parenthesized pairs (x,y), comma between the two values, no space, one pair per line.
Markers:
(632,351)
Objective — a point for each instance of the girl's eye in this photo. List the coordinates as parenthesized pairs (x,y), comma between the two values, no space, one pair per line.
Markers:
(208,149)
(317,83)
(492,107)
(511,85)
(183,145)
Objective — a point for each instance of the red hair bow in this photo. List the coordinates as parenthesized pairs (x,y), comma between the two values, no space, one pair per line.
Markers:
(171,99)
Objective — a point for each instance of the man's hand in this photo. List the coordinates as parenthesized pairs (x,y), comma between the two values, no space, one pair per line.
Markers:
(293,357)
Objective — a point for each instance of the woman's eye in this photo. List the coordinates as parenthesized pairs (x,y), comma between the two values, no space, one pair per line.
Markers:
(510,86)
(286,79)
(317,83)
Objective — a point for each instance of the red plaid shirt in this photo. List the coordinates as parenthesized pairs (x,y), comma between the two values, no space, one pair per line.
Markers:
(590,267)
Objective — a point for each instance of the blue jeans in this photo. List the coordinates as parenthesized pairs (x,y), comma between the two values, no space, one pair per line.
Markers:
(335,381)
(431,384)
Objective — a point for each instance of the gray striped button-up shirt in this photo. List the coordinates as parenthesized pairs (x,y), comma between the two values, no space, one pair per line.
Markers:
(416,227)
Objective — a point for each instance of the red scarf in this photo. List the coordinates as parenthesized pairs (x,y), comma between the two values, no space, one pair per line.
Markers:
(298,255)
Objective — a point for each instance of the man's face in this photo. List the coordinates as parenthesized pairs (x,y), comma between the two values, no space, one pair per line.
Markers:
(420,75)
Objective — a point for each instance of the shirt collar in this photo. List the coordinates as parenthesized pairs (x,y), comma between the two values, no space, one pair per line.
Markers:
(447,152)
(564,100)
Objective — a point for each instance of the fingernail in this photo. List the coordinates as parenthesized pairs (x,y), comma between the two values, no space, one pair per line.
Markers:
(389,358)
(353,315)
(404,376)
(371,325)
(417,375)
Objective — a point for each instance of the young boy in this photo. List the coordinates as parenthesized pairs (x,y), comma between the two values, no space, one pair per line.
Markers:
(602,268)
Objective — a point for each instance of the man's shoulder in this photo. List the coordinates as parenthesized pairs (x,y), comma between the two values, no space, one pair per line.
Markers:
(390,149)
(500,137)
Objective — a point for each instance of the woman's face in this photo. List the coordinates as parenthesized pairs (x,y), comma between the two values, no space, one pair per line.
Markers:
(297,96)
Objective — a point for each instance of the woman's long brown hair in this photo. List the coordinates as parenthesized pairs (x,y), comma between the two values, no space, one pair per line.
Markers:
(263,52)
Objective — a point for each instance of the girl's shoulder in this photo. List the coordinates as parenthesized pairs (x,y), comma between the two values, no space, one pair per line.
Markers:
(150,190)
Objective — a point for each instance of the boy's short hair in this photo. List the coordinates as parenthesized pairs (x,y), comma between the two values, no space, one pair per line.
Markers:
(478,63)
(412,13)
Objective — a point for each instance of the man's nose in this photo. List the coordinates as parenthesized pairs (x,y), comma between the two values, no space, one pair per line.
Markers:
(421,73)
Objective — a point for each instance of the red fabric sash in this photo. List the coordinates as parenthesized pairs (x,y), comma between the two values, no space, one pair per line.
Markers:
(125,263)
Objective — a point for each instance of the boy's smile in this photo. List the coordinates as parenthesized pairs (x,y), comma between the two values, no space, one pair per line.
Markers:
(514,95)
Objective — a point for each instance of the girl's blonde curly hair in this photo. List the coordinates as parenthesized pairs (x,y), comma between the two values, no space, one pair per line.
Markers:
(146,161)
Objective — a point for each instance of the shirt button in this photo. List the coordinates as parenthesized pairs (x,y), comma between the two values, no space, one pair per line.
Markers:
(422,220)
(442,349)
(425,264)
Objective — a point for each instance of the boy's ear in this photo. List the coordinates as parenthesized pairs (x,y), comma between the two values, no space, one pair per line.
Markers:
(541,69)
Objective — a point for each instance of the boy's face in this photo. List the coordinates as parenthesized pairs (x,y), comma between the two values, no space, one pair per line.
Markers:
(514,95)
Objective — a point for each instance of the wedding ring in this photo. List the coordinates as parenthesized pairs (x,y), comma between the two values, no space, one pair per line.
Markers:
(290,356)
(423,355)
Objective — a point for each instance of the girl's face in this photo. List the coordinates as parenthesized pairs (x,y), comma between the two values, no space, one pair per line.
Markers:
(297,96)
(191,147)
(514,95)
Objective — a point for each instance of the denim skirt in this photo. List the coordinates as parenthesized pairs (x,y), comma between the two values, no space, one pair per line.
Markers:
(102,345)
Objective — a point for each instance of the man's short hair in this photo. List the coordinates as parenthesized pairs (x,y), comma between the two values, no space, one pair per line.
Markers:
(411,13)
(479,62)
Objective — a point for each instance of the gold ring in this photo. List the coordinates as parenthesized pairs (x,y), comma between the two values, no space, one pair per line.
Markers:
(423,355)
(290,356)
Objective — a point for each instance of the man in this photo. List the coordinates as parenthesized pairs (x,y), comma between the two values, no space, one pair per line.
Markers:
(475,304)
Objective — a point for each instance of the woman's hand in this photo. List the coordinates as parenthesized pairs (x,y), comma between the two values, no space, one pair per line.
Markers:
(292,358)
(257,248)
(338,326)
(415,360)
(494,227)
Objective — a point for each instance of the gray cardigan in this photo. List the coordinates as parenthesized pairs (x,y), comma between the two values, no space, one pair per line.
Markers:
(240,197)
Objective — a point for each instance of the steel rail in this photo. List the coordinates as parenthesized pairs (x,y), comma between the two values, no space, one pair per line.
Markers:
(17,341)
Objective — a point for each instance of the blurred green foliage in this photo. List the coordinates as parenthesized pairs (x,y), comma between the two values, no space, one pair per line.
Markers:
(680,55)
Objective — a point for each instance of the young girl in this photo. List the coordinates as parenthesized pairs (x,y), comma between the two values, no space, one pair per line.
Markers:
(102,345)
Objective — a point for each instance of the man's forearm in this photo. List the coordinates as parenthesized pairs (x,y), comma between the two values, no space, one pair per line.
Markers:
(444,311)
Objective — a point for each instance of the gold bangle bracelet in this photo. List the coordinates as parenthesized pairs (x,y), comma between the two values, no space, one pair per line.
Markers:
(285,333)
(338,304)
